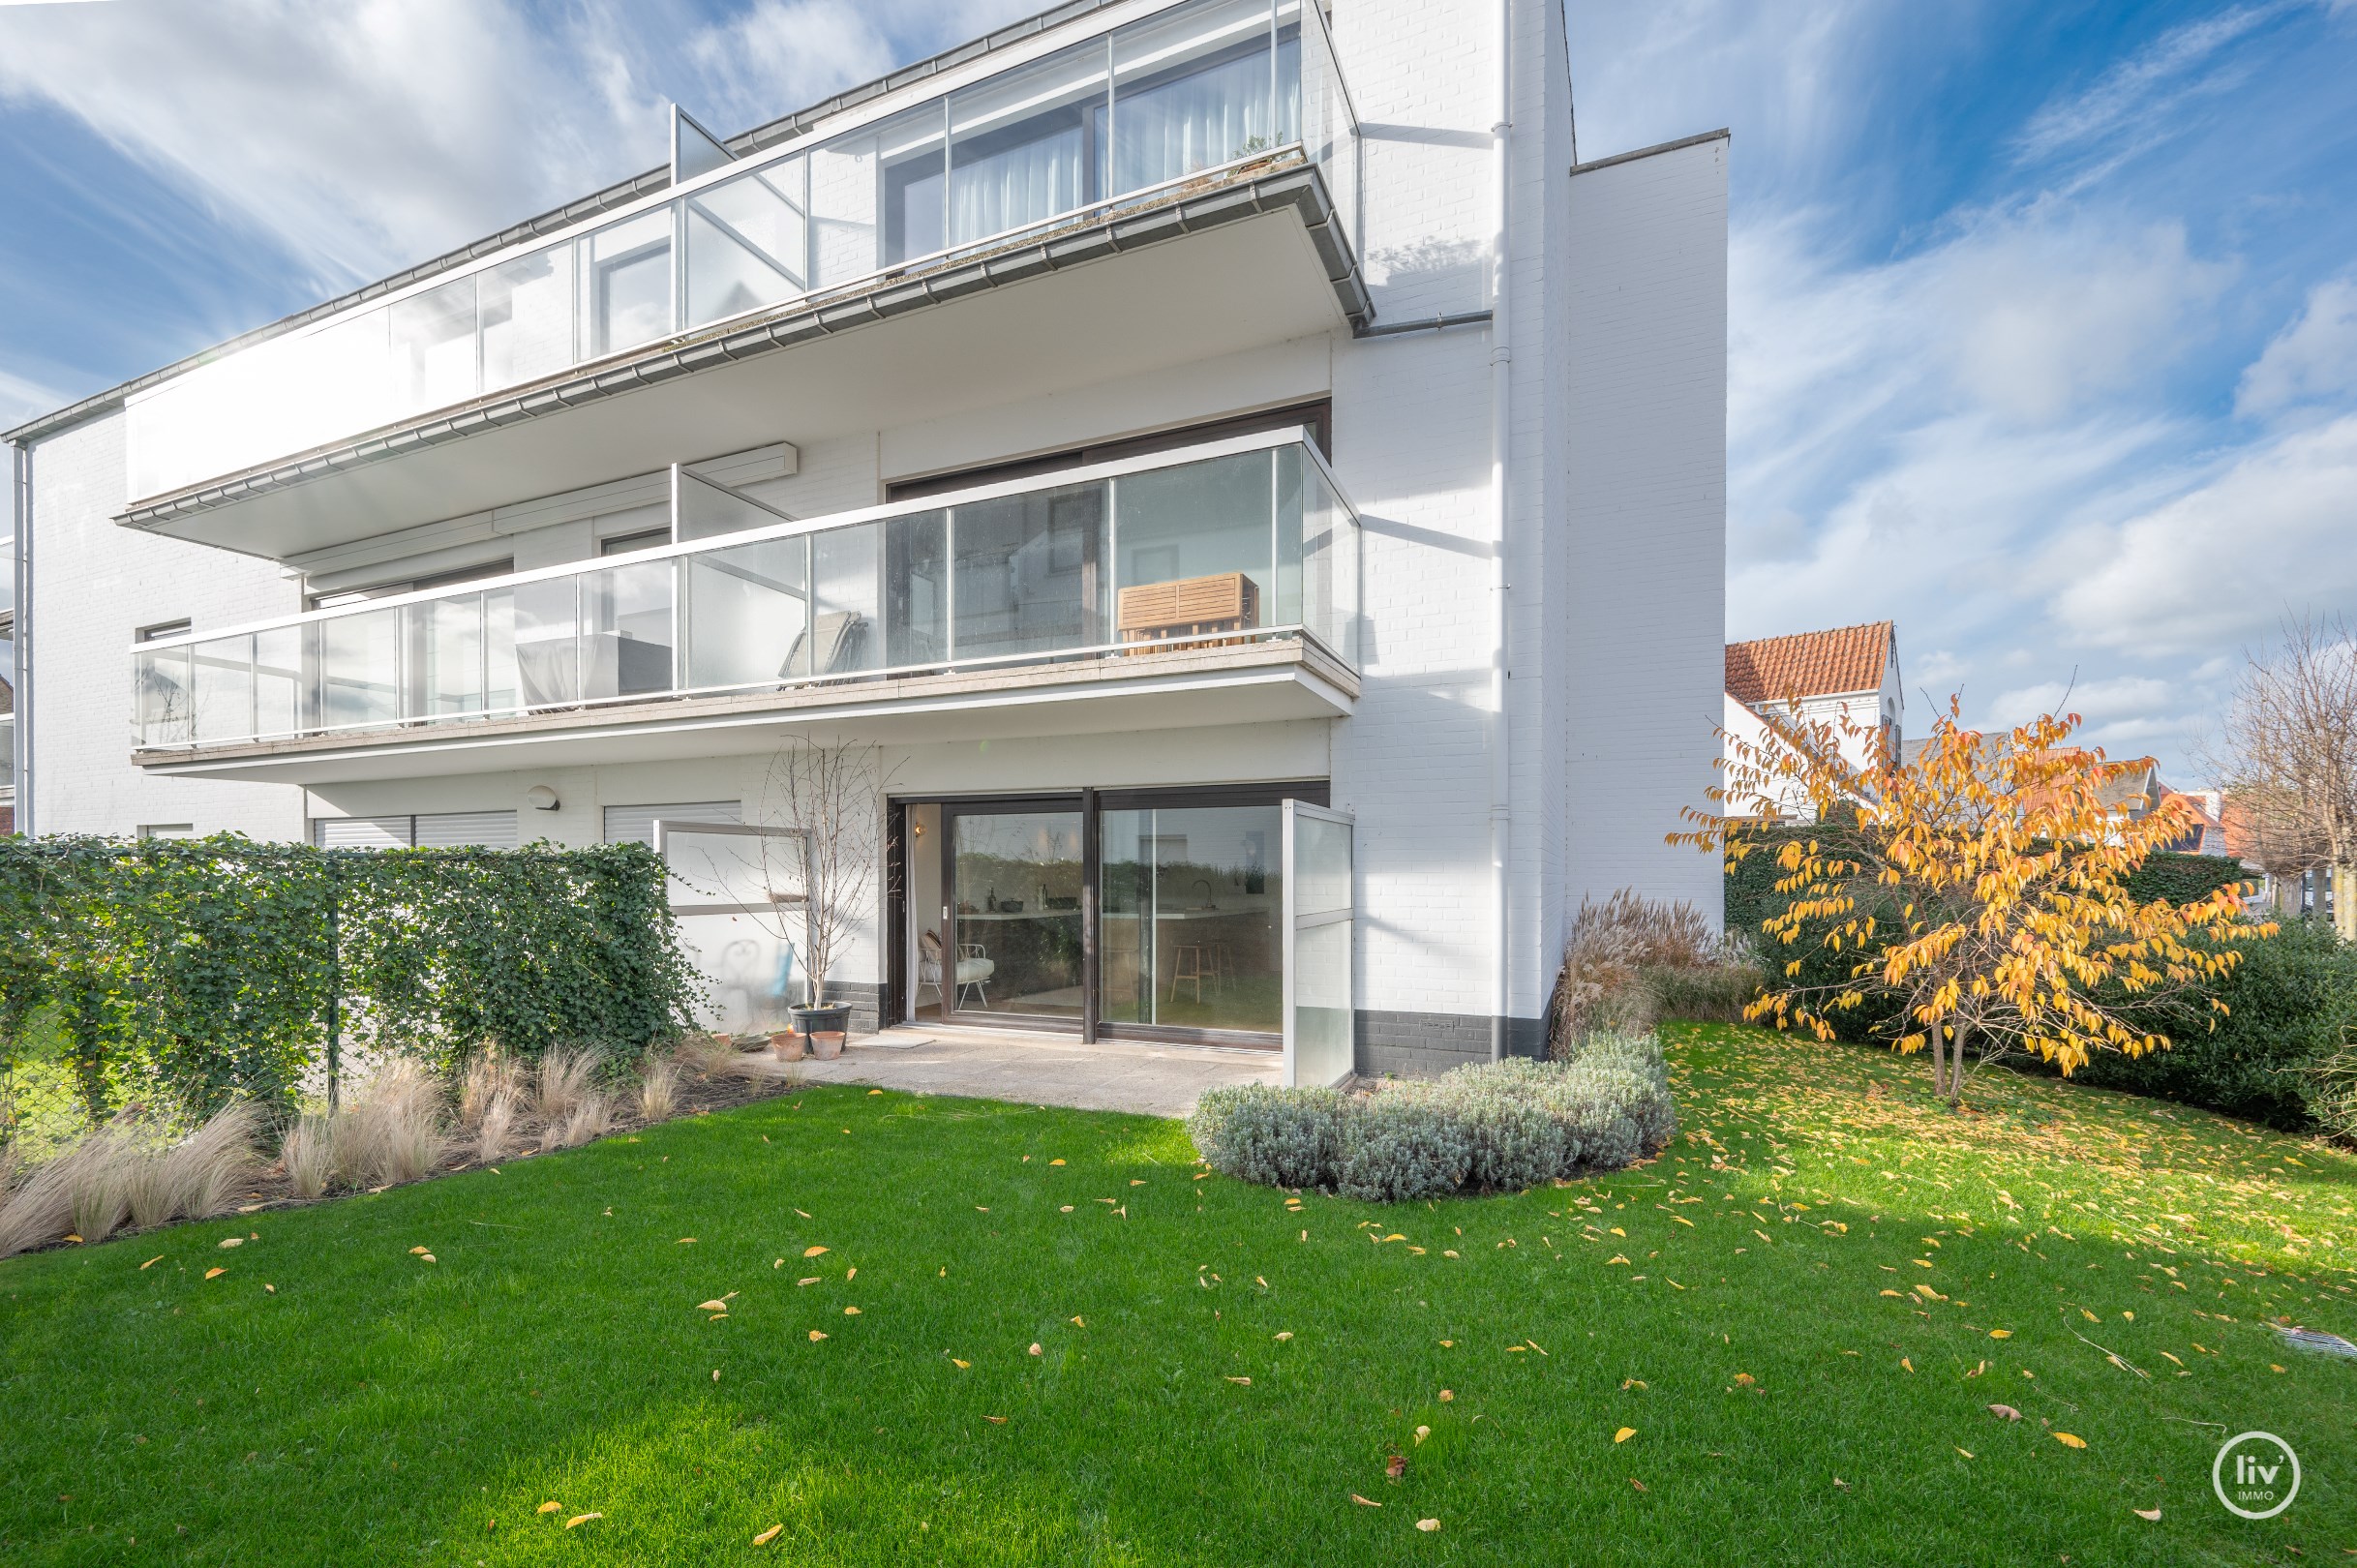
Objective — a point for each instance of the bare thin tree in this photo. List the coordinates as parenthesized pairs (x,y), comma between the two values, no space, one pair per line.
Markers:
(835,793)
(2290,758)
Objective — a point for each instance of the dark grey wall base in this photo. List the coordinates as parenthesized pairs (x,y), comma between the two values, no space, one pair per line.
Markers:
(1420,1044)
(865,999)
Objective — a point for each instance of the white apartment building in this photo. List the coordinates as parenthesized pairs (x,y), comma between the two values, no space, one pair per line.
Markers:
(1262,495)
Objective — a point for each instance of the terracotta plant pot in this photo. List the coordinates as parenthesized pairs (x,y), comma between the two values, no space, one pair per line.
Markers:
(826,1046)
(788,1045)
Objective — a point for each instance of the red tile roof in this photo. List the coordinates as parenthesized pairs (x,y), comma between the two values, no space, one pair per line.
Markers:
(1809,664)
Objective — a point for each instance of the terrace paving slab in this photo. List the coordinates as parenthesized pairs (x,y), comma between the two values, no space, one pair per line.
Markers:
(1036,1070)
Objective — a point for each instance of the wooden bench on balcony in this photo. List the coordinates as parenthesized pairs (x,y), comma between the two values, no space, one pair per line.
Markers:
(1194,607)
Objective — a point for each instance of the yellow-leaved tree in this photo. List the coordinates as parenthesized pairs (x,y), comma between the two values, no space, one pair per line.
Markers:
(1975,893)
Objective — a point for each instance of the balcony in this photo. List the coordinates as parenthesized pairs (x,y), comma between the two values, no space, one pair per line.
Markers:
(1219,584)
(1220,128)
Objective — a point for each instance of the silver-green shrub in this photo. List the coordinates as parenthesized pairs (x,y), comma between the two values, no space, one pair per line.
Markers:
(1500,1126)
(1513,1142)
(1277,1137)
(1395,1148)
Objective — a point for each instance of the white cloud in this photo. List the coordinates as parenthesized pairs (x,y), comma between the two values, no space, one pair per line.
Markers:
(2222,563)
(779,55)
(361,136)
(2315,357)
(2142,96)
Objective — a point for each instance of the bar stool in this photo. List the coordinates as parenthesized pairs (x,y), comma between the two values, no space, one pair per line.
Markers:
(1193,964)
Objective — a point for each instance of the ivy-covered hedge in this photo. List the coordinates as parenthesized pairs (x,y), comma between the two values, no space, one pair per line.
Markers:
(206,968)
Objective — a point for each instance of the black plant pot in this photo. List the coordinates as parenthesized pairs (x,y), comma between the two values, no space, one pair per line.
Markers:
(832,1018)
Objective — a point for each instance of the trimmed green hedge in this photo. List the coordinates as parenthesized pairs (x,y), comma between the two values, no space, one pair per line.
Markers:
(2293,1001)
(2182,879)
(211,968)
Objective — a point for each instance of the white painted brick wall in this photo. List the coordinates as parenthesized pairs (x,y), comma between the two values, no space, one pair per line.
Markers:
(1646,397)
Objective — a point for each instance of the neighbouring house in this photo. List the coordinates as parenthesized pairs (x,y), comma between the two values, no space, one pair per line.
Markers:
(1847,675)
(1263,494)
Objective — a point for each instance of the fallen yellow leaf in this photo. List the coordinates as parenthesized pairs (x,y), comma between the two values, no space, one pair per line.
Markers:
(1035,1349)
(812,1252)
(962,1366)
(1624,1434)
(414,1251)
(579,1520)
(851,1311)
(1428,1525)
(550,1507)
(2001,1334)
(1246,1381)
(817,1335)
(2153,1514)
(227,1241)
(769,1535)
(153,1261)
(712,1307)
(1365,1502)
(215,1273)
(1055,1162)
(1284,1336)
(2070,1439)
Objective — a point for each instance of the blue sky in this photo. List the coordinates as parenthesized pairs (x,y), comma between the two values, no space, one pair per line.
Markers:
(2044,316)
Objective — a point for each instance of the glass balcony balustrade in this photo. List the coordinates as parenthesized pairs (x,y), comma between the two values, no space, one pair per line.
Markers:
(1109,121)
(1235,542)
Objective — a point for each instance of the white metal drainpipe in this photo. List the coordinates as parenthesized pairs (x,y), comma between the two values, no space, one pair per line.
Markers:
(1501,371)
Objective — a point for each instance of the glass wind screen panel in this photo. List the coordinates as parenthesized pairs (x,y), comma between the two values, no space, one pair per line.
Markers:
(527,318)
(1318,551)
(1190,934)
(1313,107)
(625,645)
(916,588)
(278,681)
(705,510)
(625,284)
(1191,90)
(844,635)
(1015,886)
(748,242)
(748,614)
(446,651)
(162,710)
(544,638)
(1029,144)
(1194,553)
(1029,574)
(360,669)
(224,678)
(432,357)
(1320,1029)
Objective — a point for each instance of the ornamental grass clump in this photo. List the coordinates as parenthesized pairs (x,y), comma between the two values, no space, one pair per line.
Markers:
(1493,1126)
(130,1172)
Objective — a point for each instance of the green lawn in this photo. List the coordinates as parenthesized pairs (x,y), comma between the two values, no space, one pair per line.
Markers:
(377,1407)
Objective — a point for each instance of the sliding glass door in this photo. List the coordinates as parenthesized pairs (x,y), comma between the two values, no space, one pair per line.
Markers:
(1139,913)
(1013,948)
